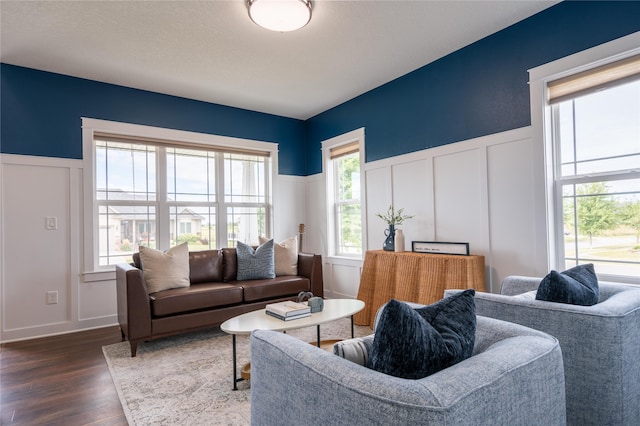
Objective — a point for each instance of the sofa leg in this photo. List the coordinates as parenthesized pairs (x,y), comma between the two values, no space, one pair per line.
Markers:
(134,347)
(122,335)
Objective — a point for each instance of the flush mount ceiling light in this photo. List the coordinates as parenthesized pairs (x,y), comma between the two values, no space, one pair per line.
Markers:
(280,15)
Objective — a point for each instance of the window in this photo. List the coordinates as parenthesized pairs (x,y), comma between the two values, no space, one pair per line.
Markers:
(343,164)
(161,192)
(594,128)
(597,137)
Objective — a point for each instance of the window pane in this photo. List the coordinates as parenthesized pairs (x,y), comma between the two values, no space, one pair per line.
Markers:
(348,229)
(245,224)
(600,132)
(194,225)
(190,175)
(128,205)
(244,178)
(122,228)
(349,235)
(602,226)
(348,177)
(125,171)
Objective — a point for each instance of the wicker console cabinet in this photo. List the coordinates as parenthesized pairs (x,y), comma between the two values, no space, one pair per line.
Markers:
(414,277)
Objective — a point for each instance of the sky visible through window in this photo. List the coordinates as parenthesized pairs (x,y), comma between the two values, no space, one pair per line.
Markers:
(599,136)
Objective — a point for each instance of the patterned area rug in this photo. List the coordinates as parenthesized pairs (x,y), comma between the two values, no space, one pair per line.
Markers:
(187,379)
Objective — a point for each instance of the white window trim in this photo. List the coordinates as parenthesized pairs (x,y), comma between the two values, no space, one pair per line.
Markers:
(327,145)
(544,154)
(91,270)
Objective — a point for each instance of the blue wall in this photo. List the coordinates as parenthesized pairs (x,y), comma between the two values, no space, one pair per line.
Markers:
(41,115)
(479,90)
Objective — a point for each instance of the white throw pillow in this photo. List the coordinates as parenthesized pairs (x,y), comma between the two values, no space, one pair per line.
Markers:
(286,255)
(165,270)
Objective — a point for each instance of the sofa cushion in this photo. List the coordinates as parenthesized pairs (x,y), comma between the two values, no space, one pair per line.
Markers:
(230,264)
(165,270)
(255,264)
(285,286)
(196,297)
(575,286)
(205,266)
(414,343)
(285,256)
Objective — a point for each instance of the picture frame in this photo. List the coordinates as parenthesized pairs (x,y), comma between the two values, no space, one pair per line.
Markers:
(437,247)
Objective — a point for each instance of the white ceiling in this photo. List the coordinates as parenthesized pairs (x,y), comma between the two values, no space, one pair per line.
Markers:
(211,51)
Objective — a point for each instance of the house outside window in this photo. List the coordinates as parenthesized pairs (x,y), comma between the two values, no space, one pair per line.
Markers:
(343,161)
(160,192)
(594,129)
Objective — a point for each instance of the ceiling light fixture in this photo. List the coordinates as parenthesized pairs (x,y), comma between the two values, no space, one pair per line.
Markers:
(280,15)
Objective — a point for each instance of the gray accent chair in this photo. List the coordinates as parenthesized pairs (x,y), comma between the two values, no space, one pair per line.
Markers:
(600,345)
(514,377)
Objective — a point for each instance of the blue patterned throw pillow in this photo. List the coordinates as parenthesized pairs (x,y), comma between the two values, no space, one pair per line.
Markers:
(255,264)
(415,343)
(575,286)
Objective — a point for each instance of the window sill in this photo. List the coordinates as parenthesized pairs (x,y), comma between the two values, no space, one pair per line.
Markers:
(345,260)
(96,276)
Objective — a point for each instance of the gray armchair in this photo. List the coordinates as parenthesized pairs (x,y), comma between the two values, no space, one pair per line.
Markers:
(600,346)
(514,377)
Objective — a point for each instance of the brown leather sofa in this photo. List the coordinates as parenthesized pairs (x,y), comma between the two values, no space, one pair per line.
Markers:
(213,296)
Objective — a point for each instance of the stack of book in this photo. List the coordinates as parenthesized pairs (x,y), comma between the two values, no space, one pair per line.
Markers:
(288,310)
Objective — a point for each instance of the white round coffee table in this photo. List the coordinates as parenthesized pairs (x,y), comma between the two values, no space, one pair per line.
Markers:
(244,324)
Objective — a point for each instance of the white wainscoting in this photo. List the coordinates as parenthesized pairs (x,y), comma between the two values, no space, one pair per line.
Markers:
(479,191)
(289,206)
(36,260)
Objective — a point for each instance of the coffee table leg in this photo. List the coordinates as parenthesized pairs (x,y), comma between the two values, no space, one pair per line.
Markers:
(318,334)
(235,376)
(352,334)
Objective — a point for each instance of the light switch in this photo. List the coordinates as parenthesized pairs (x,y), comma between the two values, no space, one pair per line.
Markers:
(51,223)
(52,297)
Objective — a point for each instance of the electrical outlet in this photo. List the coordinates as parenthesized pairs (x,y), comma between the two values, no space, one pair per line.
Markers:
(51,223)
(52,297)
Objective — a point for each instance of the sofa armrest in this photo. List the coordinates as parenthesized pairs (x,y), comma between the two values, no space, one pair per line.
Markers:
(134,309)
(600,345)
(516,284)
(310,266)
(293,381)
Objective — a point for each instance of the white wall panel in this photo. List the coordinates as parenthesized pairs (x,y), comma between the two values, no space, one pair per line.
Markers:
(458,199)
(97,301)
(289,206)
(36,260)
(511,209)
(413,191)
(315,234)
(378,200)
(343,278)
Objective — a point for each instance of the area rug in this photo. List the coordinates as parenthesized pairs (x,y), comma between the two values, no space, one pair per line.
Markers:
(188,379)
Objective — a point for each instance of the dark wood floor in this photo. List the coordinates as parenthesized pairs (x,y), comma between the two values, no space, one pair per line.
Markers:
(59,380)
